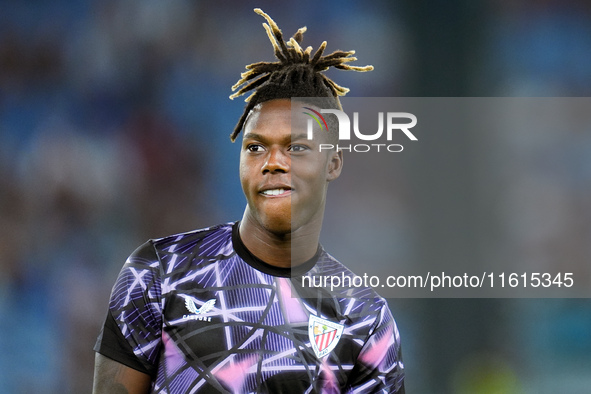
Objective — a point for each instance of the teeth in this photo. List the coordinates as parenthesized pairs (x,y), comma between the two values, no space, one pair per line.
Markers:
(274,192)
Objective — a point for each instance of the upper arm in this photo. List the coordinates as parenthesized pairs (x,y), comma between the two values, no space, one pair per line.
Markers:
(132,332)
(379,366)
(112,377)
(129,343)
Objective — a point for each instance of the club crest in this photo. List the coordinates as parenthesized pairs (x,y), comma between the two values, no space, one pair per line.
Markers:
(324,335)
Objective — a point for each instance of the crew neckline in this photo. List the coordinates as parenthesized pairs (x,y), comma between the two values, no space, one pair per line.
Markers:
(267,268)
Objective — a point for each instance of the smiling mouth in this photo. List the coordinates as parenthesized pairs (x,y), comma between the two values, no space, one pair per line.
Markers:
(276,192)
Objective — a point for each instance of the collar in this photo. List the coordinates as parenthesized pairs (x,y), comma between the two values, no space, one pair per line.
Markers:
(266,268)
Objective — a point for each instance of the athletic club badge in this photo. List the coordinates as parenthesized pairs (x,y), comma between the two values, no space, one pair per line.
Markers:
(324,335)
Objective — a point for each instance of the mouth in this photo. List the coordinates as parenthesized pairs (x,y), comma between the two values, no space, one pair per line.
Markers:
(277,192)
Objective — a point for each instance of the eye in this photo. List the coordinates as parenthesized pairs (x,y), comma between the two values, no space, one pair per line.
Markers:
(298,148)
(254,148)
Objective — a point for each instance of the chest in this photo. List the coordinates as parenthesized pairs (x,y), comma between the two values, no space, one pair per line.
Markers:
(243,338)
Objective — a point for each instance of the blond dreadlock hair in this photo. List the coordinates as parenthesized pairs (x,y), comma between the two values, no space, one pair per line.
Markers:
(297,73)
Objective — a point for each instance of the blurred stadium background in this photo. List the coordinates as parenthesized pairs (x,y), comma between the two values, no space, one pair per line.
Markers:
(114,125)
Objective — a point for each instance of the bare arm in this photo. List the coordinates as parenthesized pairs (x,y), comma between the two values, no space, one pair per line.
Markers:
(112,377)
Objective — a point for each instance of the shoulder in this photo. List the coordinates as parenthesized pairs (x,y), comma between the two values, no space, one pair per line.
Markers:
(179,254)
(210,240)
(157,253)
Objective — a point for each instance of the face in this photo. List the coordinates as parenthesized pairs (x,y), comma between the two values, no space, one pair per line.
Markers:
(284,176)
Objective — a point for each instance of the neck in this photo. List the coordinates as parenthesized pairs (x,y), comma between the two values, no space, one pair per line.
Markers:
(283,250)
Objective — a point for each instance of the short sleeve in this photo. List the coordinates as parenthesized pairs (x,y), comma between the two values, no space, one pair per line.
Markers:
(132,331)
(379,367)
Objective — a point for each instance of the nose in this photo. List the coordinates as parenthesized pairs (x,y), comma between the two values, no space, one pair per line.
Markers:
(277,161)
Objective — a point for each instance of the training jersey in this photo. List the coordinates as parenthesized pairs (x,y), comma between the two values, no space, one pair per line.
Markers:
(200,314)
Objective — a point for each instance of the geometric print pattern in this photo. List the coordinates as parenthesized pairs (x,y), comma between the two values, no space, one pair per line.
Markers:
(252,336)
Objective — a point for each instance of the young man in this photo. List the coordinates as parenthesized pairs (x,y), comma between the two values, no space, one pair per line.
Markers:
(223,309)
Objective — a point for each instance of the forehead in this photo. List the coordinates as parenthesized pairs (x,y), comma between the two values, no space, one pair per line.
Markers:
(269,113)
(278,117)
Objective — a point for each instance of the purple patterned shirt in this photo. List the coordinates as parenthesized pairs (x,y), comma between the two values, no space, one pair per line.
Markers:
(201,314)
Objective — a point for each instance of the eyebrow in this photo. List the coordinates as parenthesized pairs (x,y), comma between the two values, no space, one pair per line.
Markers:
(259,137)
(302,136)
(253,136)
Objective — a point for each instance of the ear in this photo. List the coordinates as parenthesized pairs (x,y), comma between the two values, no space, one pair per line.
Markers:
(335,165)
